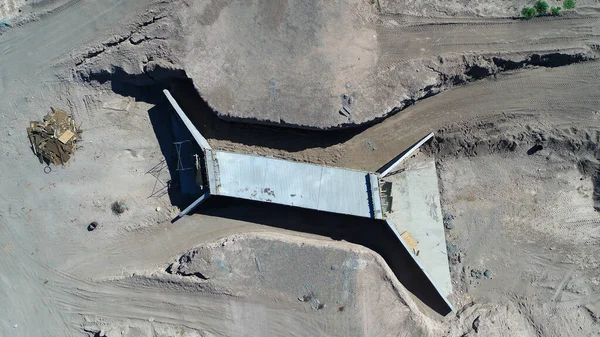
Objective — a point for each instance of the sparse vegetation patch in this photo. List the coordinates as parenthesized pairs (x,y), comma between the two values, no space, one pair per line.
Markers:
(541,7)
(569,4)
(528,12)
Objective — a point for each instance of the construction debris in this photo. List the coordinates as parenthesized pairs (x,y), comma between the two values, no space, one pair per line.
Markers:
(54,140)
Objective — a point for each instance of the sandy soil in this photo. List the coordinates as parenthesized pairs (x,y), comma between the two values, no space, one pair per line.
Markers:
(293,64)
(231,287)
(531,219)
(480,8)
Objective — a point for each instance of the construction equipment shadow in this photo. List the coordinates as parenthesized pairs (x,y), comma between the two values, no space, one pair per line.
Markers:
(373,234)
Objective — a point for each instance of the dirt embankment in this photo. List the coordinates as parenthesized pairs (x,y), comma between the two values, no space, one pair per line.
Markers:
(260,285)
(524,205)
(286,66)
(578,146)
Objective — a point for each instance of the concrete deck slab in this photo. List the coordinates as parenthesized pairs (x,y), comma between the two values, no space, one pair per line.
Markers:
(296,184)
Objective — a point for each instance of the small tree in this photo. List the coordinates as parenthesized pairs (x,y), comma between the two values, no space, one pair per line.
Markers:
(569,4)
(541,7)
(528,12)
(555,11)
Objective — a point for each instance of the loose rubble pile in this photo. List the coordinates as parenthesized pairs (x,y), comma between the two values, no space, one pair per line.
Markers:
(55,139)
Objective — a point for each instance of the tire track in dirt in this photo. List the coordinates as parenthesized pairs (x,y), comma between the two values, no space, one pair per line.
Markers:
(401,43)
(138,299)
(30,272)
(31,47)
(565,96)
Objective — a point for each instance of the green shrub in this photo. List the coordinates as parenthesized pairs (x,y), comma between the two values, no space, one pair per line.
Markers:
(528,12)
(569,4)
(541,7)
(555,11)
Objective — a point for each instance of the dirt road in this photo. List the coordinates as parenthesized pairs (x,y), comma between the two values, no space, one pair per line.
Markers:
(401,41)
(30,49)
(560,98)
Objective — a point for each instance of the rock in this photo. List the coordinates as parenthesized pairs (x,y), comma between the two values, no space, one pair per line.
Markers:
(476,324)
(448,223)
(487,273)
(158,209)
(476,273)
(92,226)
(5,24)
(136,38)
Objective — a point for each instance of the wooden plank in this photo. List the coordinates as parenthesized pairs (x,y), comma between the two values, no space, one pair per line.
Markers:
(66,136)
(410,241)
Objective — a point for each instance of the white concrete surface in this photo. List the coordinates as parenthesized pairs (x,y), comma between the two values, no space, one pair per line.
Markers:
(188,123)
(398,160)
(416,208)
(291,183)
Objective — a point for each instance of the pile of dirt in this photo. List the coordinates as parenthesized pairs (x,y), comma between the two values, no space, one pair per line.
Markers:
(293,64)
(507,134)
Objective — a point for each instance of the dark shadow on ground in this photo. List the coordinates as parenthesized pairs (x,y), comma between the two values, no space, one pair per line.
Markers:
(366,232)
(147,87)
(144,88)
(161,120)
(274,137)
(373,234)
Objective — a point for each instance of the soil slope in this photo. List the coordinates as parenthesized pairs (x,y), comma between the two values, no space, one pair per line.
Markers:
(333,64)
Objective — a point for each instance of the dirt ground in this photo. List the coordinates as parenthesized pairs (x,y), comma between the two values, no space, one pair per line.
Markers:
(517,156)
(294,64)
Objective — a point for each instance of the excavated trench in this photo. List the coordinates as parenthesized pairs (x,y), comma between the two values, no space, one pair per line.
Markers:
(156,75)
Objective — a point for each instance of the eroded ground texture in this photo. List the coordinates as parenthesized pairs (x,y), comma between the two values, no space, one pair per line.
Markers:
(517,128)
(330,64)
